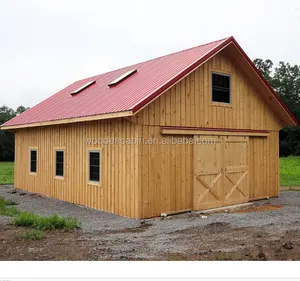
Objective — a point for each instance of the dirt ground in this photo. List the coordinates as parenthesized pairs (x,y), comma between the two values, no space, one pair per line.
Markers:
(267,230)
(61,245)
(57,245)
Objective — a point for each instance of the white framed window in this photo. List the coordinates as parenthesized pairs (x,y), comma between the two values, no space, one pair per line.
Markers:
(33,160)
(94,167)
(59,163)
(220,88)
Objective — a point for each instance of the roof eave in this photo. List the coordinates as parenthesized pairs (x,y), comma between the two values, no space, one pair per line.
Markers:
(292,118)
(127,113)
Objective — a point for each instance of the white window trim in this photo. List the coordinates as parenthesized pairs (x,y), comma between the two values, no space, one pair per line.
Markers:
(230,89)
(56,176)
(32,148)
(90,182)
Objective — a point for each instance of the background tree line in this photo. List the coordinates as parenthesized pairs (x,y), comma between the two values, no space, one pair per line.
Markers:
(284,78)
(7,139)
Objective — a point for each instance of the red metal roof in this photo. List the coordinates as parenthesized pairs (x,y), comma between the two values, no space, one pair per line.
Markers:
(151,79)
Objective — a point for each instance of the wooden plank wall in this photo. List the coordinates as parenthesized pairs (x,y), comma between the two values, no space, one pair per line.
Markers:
(148,179)
(167,170)
(188,103)
(264,166)
(119,192)
(166,173)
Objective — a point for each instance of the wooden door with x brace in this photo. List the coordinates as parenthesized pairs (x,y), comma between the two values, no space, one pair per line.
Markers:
(220,171)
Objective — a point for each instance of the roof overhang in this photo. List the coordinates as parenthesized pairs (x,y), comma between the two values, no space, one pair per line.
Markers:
(71,120)
(263,86)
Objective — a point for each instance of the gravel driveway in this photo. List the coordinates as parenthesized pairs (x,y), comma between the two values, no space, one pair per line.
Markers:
(91,220)
(252,234)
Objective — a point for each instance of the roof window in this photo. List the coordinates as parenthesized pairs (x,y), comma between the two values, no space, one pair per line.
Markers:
(83,87)
(122,78)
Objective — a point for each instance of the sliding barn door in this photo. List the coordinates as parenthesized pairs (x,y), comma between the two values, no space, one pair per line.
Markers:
(236,187)
(220,171)
(208,172)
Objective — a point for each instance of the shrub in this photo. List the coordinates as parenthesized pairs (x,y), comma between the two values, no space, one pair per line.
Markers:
(32,235)
(45,223)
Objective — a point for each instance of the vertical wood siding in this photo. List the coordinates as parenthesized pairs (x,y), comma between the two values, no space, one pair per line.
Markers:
(166,170)
(119,191)
(145,180)
(167,173)
(188,103)
(264,166)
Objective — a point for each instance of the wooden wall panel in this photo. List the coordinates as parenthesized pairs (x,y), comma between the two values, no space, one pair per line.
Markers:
(264,166)
(145,180)
(119,192)
(168,173)
(188,103)
(166,170)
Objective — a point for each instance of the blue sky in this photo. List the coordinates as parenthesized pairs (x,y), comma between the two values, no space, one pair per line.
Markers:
(46,45)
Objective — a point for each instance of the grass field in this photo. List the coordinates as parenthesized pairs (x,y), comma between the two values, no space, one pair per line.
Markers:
(6,172)
(289,171)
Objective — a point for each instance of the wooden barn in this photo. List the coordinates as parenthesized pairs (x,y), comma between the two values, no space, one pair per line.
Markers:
(192,130)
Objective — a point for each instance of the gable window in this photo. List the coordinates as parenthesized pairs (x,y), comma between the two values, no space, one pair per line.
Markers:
(94,166)
(33,160)
(59,163)
(220,88)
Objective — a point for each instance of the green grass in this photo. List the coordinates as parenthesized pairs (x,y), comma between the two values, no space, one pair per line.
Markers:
(6,202)
(290,171)
(45,223)
(10,212)
(6,172)
(7,208)
(32,235)
(27,219)
(31,220)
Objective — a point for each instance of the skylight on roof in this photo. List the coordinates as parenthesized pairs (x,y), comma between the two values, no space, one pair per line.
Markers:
(83,87)
(122,77)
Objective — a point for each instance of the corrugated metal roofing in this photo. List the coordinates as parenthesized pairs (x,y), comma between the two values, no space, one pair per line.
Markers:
(151,79)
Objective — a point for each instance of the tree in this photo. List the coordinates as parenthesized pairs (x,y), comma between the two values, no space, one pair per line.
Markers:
(285,79)
(7,139)
(21,109)
(265,67)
